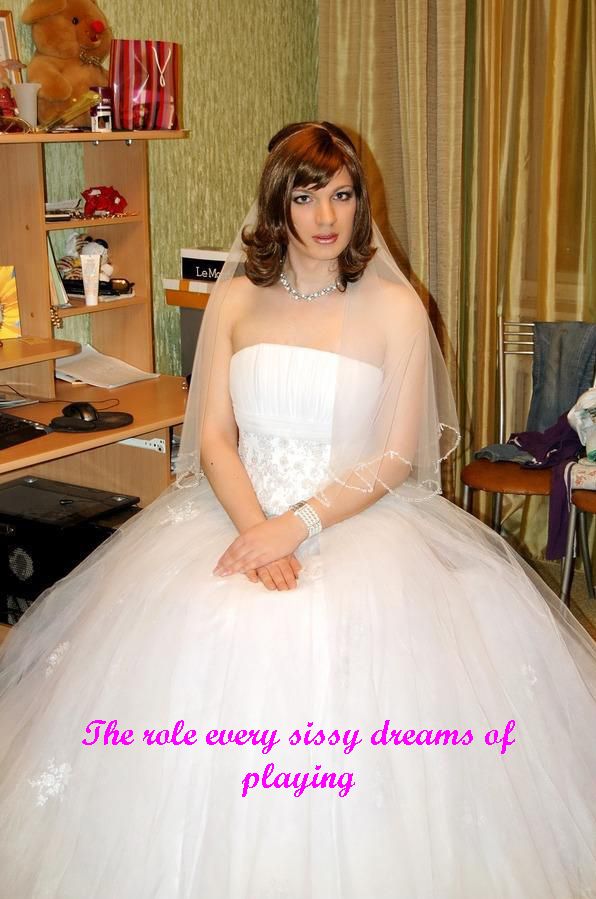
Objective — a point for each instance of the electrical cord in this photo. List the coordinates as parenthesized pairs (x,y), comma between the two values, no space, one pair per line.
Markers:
(113,401)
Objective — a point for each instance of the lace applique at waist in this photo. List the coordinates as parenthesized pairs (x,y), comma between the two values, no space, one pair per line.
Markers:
(283,470)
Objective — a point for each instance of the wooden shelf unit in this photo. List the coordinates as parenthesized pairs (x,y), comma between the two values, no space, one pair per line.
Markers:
(125,329)
(30,350)
(121,328)
(79,308)
(89,137)
(75,224)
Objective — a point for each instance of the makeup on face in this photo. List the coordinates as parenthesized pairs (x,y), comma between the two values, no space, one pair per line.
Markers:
(323,217)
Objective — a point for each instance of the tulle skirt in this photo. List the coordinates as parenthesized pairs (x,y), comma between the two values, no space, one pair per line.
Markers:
(416,720)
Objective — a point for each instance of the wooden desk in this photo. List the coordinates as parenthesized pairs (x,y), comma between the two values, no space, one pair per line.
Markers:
(99,458)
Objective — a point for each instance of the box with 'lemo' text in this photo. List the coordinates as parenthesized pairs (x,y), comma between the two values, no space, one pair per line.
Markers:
(202,264)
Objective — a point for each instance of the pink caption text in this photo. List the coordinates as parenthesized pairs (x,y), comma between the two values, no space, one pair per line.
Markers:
(101,732)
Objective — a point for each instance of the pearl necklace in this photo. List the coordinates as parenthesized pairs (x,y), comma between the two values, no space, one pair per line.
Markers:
(308,297)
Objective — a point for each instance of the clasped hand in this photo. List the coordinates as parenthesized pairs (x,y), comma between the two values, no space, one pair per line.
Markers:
(266,552)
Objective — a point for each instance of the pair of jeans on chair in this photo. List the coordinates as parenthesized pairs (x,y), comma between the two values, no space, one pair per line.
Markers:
(563,368)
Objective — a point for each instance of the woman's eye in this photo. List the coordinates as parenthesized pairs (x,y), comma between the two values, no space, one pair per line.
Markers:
(344,195)
(301,199)
(75,21)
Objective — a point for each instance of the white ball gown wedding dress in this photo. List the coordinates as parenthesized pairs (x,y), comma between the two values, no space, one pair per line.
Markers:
(480,784)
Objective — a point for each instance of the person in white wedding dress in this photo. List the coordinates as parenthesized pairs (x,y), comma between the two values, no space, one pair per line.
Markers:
(305,674)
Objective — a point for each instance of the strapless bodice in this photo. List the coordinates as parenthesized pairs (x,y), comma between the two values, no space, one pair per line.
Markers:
(283,398)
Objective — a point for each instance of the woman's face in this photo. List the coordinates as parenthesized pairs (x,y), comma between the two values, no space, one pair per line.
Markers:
(323,218)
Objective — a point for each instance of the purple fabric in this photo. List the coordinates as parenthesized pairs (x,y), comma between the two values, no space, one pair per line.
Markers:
(553,448)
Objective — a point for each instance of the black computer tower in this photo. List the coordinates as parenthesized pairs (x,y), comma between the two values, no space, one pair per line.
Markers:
(47,529)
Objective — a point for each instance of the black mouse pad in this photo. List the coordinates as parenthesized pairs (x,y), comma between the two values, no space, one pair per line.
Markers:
(106,421)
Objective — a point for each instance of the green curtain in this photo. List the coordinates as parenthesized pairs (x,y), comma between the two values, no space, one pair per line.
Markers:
(476,125)
(392,73)
(529,159)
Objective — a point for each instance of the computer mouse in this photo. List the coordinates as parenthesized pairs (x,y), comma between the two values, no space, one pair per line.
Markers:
(84,411)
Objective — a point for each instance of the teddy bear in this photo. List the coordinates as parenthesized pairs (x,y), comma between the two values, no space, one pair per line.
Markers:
(72,38)
(78,245)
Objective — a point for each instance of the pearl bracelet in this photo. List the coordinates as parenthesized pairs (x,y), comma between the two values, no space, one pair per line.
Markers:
(308,516)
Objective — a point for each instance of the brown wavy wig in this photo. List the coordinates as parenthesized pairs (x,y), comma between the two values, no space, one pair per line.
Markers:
(305,154)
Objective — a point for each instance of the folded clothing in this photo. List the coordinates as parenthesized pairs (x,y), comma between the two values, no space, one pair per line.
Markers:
(557,447)
(504,452)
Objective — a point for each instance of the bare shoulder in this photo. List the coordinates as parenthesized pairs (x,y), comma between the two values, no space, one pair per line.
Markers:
(401,301)
(239,290)
(239,299)
(392,291)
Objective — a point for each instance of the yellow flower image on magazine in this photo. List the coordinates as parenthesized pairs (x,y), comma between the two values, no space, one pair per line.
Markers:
(10,319)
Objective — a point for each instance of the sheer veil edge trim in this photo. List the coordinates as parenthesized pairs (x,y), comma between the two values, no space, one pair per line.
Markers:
(428,488)
(192,475)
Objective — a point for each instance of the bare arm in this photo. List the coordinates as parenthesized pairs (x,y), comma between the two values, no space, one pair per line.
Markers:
(231,484)
(281,536)
(227,475)
(347,500)
(398,426)
(219,442)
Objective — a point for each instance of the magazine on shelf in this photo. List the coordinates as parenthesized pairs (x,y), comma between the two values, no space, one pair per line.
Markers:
(10,315)
(57,291)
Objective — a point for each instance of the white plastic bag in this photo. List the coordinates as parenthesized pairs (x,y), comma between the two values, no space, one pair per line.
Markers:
(582,419)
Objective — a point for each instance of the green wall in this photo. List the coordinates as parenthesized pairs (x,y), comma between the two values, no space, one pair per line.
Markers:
(249,66)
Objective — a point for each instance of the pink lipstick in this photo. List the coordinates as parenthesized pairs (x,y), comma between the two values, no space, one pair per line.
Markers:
(325,238)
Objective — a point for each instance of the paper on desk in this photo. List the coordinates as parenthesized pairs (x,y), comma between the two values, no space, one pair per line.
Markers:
(98,370)
(12,400)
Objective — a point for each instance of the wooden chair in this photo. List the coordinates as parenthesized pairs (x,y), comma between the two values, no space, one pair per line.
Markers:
(583,502)
(499,478)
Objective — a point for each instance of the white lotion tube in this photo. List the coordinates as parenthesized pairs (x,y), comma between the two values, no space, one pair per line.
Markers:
(90,268)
